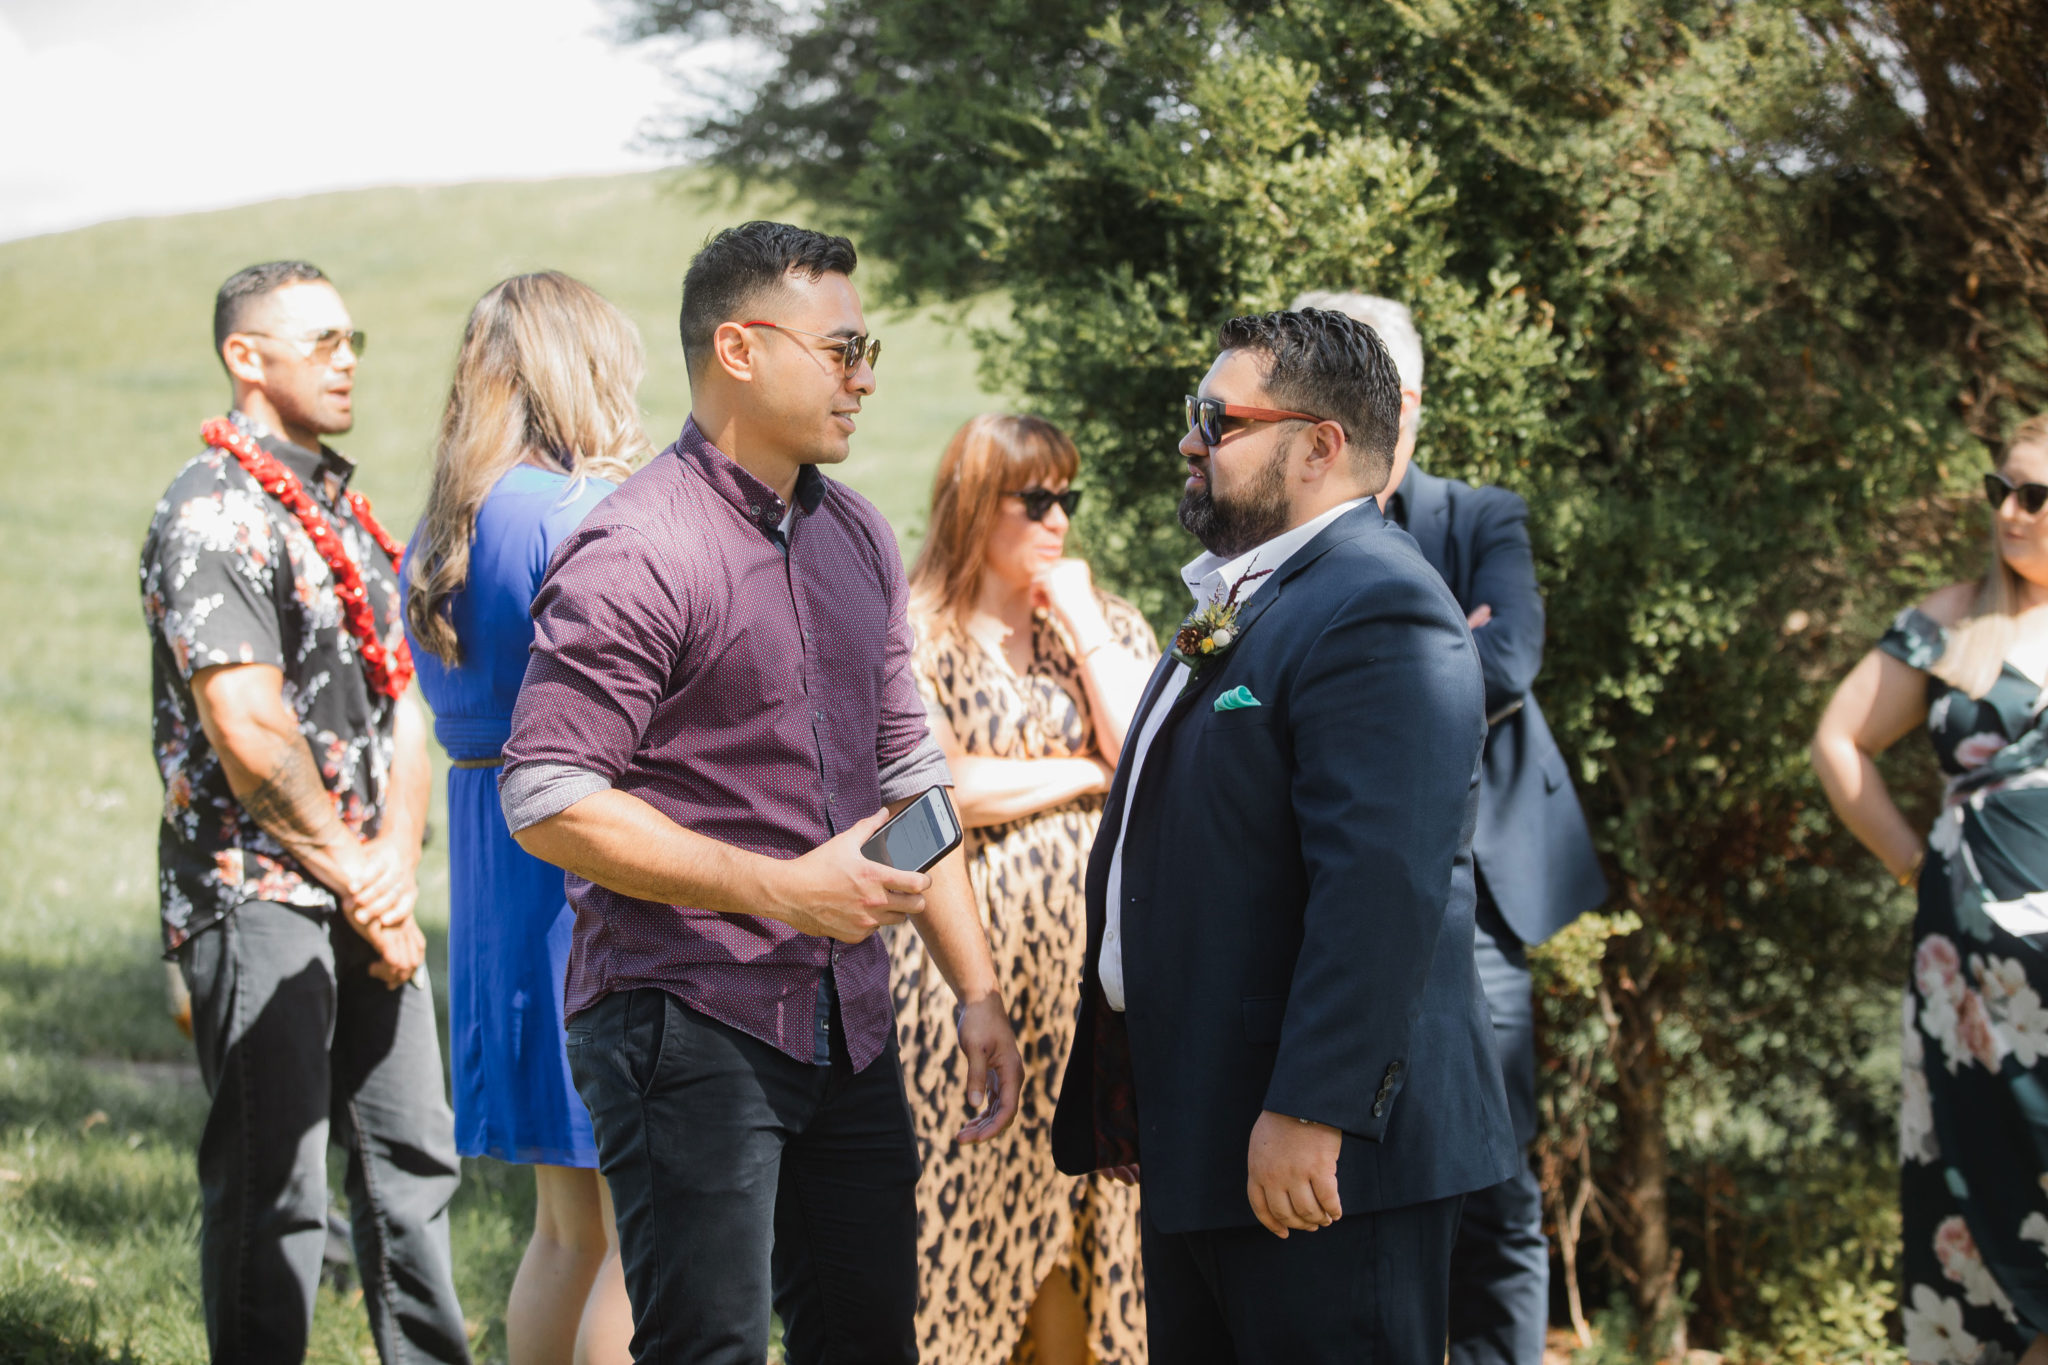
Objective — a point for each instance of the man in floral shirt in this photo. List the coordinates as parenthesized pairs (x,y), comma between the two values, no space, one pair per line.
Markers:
(295,794)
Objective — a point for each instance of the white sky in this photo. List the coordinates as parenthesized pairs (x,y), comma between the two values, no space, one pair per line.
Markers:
(111,108)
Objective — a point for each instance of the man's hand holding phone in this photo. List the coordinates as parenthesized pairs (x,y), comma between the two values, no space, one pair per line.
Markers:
(835,892)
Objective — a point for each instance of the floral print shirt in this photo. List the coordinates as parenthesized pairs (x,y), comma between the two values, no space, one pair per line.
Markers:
(229,576)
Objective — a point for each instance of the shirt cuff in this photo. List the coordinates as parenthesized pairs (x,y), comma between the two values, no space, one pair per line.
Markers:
(532,792)
(911,775)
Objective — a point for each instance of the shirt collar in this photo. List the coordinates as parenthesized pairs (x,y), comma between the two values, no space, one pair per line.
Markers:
(313,467)
(1209,577)
(754,500)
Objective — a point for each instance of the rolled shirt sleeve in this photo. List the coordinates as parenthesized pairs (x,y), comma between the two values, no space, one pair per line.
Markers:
(908,758)
(916,772)
(533,792)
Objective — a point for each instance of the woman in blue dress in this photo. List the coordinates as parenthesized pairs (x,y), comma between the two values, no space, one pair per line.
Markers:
(541,422)
(1969,664)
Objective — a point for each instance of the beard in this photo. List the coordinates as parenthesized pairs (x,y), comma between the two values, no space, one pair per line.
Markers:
(1228,527)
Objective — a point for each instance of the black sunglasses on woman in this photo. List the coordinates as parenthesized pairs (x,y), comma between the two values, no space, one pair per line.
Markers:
(1997,488)
(1039,502)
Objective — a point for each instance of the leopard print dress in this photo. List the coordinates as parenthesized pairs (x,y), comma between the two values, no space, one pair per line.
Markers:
(996,1219)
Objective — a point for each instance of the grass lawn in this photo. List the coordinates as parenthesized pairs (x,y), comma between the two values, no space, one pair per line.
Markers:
(105,375)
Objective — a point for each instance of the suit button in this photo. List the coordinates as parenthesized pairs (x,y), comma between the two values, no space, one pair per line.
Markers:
(1379,1108)
(1393,1068)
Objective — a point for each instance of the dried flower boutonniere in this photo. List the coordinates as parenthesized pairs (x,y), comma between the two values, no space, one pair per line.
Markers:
(1210,631)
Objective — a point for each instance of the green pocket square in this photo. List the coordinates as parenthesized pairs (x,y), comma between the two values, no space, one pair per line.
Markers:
(1236,699)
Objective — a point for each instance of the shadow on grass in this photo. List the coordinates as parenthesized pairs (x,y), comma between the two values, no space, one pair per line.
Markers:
(104,1195)
(100,1118)
(113,1006)
(51,1327)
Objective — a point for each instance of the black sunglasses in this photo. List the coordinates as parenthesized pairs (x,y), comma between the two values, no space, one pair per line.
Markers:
(1039,502)
(1997,488)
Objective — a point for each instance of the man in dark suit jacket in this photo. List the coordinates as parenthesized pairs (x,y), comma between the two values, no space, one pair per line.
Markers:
(1537,868)
(1282,1032)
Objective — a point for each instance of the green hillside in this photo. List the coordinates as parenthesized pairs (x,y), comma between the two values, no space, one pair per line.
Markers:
(105,374)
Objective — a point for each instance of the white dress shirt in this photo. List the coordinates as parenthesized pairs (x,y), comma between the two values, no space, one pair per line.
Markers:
(1208,577)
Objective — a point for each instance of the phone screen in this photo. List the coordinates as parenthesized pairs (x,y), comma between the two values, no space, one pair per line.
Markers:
(919,836)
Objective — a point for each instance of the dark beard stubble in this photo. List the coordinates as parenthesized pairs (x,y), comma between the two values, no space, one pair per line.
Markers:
(1231,527)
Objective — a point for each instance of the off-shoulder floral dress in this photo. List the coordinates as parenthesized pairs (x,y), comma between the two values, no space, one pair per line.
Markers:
(1973,1120)
(995,1219)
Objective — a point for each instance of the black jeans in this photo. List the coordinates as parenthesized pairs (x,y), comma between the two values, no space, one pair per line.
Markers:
(1500,1268)
(744,1179)
(299,1044)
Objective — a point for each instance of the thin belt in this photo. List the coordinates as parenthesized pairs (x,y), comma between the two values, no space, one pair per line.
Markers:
(494,761)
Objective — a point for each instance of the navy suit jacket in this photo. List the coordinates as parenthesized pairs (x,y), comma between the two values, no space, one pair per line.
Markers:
(1531,845)
(1297,903)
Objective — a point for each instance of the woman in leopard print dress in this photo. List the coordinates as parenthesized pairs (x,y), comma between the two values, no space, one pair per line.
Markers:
(1031,675)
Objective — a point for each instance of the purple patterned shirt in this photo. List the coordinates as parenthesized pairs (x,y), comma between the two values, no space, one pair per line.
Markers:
(752,687)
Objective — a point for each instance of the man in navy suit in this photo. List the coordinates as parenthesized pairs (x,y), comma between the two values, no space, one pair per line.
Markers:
(1282,1031)
(1537,869)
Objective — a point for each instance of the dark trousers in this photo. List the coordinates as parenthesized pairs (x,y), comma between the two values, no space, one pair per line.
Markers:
(1500,1267)
(298,1044)
(744,1179)
(1369,1287)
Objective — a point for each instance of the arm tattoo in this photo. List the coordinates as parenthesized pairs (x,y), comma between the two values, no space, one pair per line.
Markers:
(293,803)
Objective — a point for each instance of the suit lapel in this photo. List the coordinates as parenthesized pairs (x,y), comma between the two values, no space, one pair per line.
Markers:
(1119,785)
(1356,522)
(1113,804)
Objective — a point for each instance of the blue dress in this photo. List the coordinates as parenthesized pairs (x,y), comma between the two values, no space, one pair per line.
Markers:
(508,918)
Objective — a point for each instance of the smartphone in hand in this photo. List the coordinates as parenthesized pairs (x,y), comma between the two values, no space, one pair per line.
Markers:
(918,836)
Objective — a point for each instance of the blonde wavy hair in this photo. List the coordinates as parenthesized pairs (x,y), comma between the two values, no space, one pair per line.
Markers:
(548,376)
(991,455)
(1979,643)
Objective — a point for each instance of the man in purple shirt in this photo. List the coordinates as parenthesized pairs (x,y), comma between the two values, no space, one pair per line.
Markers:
(717,713)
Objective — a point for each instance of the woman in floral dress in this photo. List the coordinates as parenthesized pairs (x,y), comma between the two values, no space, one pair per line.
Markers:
(1969,662)
(1031,676)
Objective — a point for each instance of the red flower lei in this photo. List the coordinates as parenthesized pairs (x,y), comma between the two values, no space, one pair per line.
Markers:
(389,670)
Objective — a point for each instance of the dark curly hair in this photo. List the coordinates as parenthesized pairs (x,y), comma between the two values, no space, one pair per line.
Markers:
(738,264)
(1335,367)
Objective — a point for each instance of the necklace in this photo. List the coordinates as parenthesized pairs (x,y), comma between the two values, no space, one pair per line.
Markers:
(389,670)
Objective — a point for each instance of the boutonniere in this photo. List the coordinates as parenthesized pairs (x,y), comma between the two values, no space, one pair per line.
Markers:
(1210,631)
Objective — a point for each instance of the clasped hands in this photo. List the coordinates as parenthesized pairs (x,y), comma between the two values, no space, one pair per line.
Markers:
(376,881)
